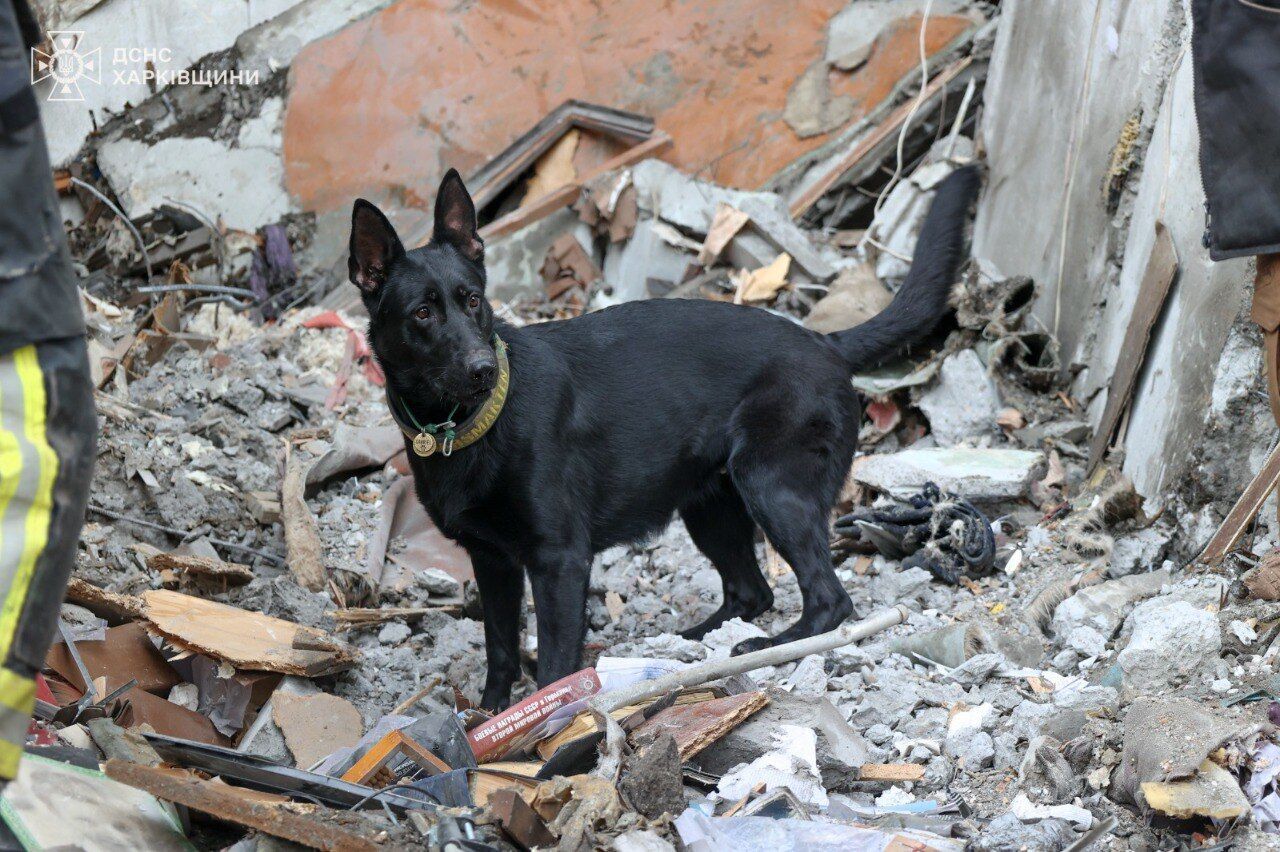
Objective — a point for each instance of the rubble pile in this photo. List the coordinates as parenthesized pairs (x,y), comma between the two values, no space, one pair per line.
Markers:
(266,639)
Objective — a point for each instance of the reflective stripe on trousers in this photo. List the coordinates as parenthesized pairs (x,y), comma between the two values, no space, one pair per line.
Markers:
(28,470)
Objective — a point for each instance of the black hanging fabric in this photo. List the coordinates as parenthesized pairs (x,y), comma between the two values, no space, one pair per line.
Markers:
(1236,51)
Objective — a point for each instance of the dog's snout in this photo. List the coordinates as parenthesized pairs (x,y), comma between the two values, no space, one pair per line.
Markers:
(482,370)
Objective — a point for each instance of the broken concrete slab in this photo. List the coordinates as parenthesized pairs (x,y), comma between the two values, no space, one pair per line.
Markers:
(513,262)
(964,402)
(980,475)
(1169,644)
(649,254)
(771,229)
(664,192)
(244,186)
(690,205)
(967,741)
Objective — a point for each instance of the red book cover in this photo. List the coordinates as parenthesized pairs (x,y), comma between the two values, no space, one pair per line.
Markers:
(493,738)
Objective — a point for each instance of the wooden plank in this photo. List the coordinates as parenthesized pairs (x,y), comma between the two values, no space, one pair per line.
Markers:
(112,606)
(883,132)
(584,723)
(1162,268)
(484,782)
(564,196)
(233,573)
(319,829)
(891,772)
(1244,511)
(247,640)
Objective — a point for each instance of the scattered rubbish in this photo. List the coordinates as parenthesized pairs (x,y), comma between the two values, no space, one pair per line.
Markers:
(1263,580)
(792,764)
(531,718)
(1168,764)
(701,833)
(941,533)
(1102,607)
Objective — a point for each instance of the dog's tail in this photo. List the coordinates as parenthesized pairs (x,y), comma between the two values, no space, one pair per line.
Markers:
(922,301)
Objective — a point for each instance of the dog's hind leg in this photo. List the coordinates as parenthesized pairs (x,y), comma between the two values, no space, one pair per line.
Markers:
(501,585)
(790,456)
(722,529)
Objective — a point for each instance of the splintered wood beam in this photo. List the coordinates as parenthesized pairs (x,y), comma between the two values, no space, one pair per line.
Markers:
(1244,511)
(317,830)
(1162,269)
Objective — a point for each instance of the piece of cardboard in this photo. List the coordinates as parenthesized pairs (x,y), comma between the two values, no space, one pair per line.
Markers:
(696,726)
(315,726)
(126,652)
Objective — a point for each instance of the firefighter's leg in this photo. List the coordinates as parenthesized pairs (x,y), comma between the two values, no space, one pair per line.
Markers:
(47,439)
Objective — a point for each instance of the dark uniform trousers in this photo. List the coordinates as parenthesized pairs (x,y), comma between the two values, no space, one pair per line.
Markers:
(47,422)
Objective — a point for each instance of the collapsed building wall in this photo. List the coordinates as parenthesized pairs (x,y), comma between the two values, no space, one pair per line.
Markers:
(1091,138)
(368,97)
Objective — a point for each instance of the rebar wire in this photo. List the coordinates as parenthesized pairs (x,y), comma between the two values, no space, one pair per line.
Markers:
(137,235)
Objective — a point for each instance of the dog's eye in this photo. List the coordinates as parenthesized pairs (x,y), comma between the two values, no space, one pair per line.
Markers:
(473,301)
(423,312)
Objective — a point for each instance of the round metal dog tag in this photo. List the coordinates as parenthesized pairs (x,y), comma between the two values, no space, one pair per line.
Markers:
(424,444)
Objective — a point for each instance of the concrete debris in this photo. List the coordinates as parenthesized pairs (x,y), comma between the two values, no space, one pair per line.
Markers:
(1101,608)
(964,403)
(979,475)
(792,763)
(1150,663)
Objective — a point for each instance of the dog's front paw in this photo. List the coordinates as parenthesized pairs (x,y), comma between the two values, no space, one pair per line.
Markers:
(757,643)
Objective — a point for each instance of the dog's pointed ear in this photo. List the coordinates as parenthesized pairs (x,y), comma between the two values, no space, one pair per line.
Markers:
(456,217)
(374,246)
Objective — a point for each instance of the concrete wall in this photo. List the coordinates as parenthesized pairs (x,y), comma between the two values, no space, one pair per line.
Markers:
(1045,212)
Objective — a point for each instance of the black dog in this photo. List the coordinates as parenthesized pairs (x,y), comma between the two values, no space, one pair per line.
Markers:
(612,422)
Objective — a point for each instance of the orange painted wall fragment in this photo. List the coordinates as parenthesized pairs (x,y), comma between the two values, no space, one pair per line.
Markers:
(384,106)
